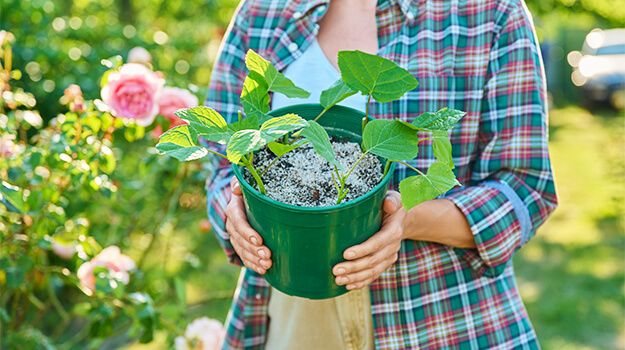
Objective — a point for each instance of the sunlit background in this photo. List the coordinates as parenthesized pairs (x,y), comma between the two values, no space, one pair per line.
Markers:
(571,275)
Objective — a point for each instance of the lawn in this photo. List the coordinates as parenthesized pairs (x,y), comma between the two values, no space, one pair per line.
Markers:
(571,274)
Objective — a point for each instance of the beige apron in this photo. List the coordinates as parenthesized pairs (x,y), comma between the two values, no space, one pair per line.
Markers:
(340,323)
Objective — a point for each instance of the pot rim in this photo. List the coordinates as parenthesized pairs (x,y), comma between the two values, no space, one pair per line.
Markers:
(319,210)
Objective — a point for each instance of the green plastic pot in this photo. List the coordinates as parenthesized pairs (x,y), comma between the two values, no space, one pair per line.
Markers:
(307,242)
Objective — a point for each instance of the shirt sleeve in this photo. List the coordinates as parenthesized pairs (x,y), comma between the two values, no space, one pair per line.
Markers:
(223,96)
(512,191)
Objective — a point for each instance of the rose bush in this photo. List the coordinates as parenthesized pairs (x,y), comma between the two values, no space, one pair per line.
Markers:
(111,258)
(84,181)
(201,334)
(170,100)
(133,92)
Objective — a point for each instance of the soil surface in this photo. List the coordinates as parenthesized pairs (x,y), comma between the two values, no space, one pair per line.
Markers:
(303,178)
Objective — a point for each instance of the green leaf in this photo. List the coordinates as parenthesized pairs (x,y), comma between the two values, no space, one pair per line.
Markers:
(275,80)
(375,75)
(282,125)
(255,97)
(391,140)
(443,120)
(12,195)
(207,123)
(244,142)
(180,143)
(280,149)
(335,94)
(442,148)
(320,141)
(181,292)
(418,189)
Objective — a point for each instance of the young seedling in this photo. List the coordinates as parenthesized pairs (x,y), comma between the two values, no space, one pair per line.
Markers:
(374,76)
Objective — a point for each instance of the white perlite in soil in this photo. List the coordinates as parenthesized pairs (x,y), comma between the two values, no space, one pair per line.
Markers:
(303,178)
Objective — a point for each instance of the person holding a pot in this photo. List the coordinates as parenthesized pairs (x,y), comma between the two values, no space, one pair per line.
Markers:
(439,275)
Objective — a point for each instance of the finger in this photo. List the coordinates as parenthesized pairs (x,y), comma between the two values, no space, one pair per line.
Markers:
(235,187)
(389,234)
(392,202)
(250,255)
(365,277)
(236,215)
(367,262)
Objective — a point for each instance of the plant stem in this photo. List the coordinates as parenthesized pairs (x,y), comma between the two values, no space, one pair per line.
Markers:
(55,301)
(248,164)
(387,167)
(270,164)
(320,114)
(216,153)
(367,110)
(410,166)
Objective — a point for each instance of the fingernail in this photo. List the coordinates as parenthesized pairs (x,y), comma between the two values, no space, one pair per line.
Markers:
(343,280)
(264,263)
(395,202)
(261,253)
(350,254)
(254,240)
(340,271)
(235,186)
(350,287)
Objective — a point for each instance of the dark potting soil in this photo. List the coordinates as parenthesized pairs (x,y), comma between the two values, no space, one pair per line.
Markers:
(303,178)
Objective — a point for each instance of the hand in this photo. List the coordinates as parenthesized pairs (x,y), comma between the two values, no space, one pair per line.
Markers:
(244,239)
(368,260)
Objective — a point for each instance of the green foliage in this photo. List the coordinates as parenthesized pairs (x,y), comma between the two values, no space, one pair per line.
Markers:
(275,80)
(376,76)
(420,188)
(88,181)
(62,43)
(180,143)
(335,94)
(443,120)
(319,139)
(390,139)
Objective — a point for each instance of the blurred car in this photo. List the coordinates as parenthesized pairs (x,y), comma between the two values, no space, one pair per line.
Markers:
(599,69)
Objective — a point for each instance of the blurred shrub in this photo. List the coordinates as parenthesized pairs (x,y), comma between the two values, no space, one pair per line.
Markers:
(82,183)
(62,42)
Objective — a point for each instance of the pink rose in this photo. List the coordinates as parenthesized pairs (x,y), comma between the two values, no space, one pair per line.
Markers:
(171,100)
(118,265)
(8,148)
(139,55)
(132,92)
(201,334)
(65,250)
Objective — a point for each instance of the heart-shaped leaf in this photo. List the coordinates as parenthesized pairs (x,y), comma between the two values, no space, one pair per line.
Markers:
(207,123)
(375,75)
(180,143)
(280,149)
(255,97)
(443,120)
(335,94)
(244,142)
(275,80)
(442,148)
(390,139)
(418,189)
(320,141)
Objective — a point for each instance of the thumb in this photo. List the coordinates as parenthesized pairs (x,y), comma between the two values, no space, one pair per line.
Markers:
(392,202)
(234,186)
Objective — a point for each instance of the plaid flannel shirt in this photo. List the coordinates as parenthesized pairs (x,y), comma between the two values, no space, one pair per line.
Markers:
(480,56)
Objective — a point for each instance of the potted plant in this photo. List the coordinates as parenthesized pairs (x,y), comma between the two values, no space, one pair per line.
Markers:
(307,242)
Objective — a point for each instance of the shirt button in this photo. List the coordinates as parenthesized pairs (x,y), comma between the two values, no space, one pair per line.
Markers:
(297,15)
(410,15)
(292,47)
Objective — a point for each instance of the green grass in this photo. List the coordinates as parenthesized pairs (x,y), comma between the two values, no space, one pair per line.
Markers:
(571,275)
